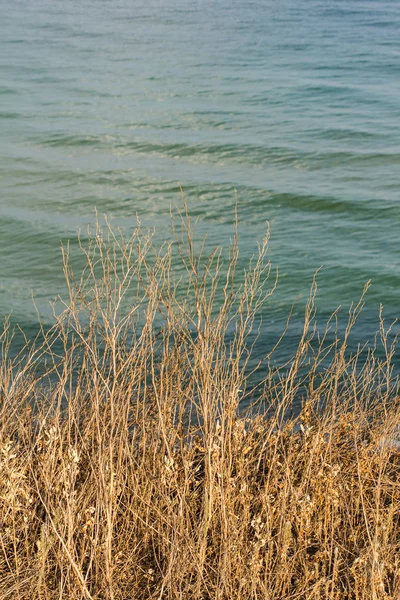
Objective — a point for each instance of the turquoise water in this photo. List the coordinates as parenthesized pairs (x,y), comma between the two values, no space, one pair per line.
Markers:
(295,104)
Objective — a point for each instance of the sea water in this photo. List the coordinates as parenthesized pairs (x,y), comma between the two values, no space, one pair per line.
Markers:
(115,105)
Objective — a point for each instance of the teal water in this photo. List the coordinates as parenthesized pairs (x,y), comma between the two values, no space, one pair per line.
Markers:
(295,104)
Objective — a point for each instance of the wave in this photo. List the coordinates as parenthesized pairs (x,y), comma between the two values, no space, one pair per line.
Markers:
(243,153)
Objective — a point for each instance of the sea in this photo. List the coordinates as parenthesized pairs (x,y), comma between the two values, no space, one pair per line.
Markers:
(289,109)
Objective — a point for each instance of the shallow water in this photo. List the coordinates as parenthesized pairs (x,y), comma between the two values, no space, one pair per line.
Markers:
(295,104)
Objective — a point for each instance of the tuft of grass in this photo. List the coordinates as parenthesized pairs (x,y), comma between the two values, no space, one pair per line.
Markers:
(128,469)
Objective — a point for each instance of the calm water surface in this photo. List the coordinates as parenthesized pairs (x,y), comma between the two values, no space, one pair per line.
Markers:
(295,104)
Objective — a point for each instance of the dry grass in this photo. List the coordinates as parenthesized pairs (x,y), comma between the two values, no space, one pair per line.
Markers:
(127,471)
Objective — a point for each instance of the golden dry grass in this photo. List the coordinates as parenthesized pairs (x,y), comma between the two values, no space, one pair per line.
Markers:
(127,470)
